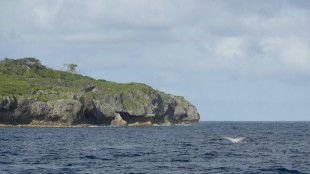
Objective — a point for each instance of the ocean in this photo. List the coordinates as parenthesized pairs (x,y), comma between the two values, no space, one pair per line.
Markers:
(270,147)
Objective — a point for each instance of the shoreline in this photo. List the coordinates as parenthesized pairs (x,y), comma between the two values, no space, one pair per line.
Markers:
(42,126)
(146,124)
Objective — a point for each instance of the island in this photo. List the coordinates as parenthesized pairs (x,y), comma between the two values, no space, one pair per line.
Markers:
(33,95)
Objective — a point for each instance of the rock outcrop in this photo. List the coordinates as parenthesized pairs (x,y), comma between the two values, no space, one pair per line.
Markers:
(111,109)
(118,121)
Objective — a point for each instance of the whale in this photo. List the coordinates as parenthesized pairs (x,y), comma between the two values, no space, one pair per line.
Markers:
(234,140)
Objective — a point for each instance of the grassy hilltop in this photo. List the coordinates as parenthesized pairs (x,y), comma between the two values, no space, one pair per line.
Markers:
(26,76)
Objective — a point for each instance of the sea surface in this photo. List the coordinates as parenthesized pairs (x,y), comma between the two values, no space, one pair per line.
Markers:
(270,147)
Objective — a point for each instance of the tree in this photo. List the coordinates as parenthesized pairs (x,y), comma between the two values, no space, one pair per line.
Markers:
(32,63)
(19,66)
(71,67)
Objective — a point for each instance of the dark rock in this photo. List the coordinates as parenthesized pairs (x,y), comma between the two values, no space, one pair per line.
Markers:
(89,88)
(113,109)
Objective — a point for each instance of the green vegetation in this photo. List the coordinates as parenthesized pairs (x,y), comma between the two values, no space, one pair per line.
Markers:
(26,76)
(165,97)
(117,88)
(15,85)
(47,97)
(71,67)
(130,104)
(179,99)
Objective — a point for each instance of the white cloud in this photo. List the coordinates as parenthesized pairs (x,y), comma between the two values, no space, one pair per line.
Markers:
(292,54)
(42,14)
(254,38)
(230,47)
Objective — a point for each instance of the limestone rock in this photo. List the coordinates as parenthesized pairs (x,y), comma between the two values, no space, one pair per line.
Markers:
(111,109)
(148,123)
(118,121)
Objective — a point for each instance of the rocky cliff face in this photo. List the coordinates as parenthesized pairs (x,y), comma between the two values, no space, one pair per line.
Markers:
(32,94)
(121,109)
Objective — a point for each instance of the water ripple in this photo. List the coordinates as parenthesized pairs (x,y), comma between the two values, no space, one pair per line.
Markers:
(270,148)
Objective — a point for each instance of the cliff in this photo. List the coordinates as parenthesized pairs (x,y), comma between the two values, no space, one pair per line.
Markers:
(33,95)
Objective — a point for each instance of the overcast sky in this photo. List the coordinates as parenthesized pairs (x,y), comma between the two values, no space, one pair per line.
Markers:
(234,60)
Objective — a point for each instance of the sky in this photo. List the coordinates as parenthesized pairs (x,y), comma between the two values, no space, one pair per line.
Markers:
(234,60)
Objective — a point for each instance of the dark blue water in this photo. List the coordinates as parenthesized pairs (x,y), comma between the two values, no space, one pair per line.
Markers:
(271,147)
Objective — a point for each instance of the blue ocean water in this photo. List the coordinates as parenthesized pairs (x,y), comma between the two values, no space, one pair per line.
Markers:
(270,147)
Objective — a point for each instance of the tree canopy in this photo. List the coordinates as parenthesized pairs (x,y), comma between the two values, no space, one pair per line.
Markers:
(71,67)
